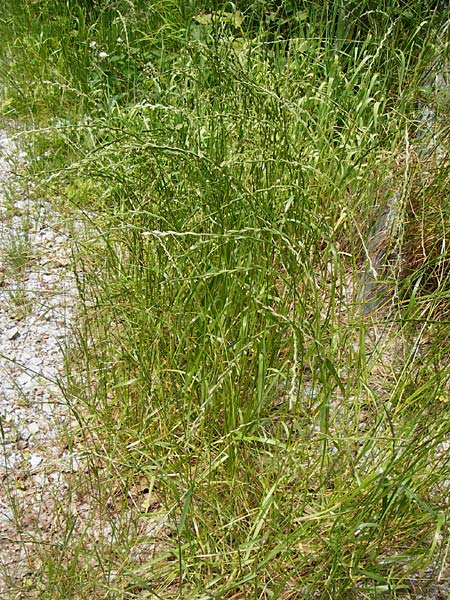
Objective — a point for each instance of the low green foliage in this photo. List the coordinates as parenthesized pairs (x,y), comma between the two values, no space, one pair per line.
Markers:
(231,161)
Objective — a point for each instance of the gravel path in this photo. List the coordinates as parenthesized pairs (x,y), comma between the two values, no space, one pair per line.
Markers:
(36,292)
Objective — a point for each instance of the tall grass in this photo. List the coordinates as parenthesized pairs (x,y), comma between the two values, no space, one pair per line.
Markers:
(251,433)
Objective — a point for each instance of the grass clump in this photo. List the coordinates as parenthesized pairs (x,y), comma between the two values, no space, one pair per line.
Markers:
(252,433)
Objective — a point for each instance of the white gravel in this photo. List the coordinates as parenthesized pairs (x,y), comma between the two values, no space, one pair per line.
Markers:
(35,312)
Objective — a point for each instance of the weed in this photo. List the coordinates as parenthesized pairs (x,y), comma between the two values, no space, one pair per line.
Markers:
(234,161)
(19,301)
(17,252)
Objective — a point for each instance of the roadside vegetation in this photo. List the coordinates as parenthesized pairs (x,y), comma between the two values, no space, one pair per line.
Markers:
(256,422)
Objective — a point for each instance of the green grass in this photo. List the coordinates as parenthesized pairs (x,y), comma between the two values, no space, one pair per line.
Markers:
(250,432)
(17,252)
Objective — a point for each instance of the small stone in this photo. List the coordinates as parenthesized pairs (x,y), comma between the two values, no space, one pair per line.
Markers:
(33,428)
(6,515)
(35,460)
(40,479)
(76,464)
(25,434)
(23,380)
(13,334)
(13,460)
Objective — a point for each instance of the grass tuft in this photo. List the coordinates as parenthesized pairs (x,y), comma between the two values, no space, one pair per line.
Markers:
(257,422)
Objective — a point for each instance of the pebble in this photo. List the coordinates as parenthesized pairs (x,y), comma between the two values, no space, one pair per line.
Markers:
(33,428)
(13,334)
(35,460)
